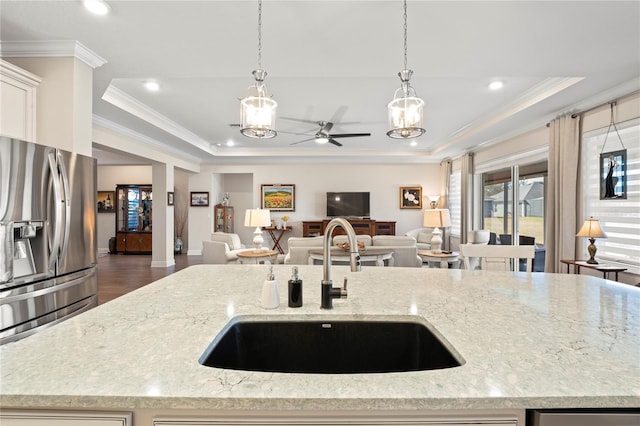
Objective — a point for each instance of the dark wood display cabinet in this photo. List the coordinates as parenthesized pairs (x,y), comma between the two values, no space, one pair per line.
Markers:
(133,219)
(360,226)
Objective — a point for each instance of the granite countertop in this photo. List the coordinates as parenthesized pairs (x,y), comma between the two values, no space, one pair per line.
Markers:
(528,341)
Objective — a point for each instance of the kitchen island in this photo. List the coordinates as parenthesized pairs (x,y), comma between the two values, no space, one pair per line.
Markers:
(528,341)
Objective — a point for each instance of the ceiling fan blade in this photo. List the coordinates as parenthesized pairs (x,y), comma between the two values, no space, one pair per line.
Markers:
(295,133)
(335,142)
(349,135)
(305,140)
(299,120)
(337,116)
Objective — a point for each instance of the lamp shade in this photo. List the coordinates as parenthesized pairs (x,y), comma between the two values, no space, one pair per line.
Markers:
(591,229)
(257,217)
(437,218)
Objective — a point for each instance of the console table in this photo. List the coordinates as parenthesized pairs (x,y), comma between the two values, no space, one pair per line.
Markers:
(360,227)
(601,267)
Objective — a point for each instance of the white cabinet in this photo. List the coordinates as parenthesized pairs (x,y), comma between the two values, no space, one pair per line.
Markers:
(64,418)
(512,418)
(17,102)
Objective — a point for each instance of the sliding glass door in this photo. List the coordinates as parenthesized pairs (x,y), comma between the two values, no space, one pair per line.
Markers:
(513,198)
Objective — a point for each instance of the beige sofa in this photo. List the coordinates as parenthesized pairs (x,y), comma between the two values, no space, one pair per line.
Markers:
(405,251)
(222,248)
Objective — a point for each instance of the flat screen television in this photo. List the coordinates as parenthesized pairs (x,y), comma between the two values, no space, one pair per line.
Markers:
(348,204)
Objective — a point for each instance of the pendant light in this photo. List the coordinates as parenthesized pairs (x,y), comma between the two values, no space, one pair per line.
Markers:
(257,108)
(405,110)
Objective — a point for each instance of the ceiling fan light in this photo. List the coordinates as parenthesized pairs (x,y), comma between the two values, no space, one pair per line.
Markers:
(258,110)
(322,139)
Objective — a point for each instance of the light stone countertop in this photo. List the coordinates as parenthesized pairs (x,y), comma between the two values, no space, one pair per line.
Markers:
(529,341)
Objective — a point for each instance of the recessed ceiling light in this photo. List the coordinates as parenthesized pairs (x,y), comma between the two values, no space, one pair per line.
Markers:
(152,86)
(496,85)
(98,7)
(230,143)
(414,143)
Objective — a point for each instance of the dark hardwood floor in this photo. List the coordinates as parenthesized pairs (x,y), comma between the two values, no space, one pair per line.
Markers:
(119,274)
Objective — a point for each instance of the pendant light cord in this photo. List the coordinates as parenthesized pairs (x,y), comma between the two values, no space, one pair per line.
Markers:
(405,34)
(611,123)
(259,34)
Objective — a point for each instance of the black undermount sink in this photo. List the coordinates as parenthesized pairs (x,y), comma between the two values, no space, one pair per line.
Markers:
(328,346)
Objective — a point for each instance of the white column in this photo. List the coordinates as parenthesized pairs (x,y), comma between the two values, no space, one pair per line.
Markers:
(163,244)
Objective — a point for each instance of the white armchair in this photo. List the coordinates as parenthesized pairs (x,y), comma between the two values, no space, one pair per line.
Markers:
(223,248)
(422,237)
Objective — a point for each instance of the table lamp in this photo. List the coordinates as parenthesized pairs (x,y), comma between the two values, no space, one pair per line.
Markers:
(257,218)
(592,230)
(436,218)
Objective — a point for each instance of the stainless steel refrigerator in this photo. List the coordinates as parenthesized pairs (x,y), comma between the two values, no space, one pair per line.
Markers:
(47,236)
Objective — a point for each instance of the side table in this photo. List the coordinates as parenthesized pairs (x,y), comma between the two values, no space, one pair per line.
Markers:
(600,267)
(276,234)
(257,256)
(444,259)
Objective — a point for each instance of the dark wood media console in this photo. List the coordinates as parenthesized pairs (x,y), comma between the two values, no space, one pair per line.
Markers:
(360,226)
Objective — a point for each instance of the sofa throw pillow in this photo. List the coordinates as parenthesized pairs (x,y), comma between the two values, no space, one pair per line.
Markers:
(424,237)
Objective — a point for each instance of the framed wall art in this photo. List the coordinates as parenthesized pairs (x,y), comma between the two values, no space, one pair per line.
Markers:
(613,175)
(279,197)
(410,197)
(199,199)
(106,201)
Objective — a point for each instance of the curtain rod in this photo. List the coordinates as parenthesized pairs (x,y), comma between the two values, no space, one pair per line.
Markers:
(613,101)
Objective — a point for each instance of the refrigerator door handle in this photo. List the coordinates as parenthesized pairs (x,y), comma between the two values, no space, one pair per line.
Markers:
(67,206)
(57,204)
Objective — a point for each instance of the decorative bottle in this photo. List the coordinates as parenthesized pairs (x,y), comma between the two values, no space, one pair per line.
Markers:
(295,289)
(270,294)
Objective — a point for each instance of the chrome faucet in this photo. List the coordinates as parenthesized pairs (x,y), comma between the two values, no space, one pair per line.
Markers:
(328,292)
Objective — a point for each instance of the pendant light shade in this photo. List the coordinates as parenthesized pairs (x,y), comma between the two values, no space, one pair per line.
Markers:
(405,111)
(257,108)
(406,108)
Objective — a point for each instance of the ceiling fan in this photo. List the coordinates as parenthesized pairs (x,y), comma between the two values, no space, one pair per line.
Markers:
(323,136)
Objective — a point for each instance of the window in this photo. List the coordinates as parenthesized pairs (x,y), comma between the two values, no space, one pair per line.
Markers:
(619,218)
(498,204)
(455,202)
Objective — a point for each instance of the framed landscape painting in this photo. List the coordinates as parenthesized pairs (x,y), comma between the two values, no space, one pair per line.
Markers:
(279,197)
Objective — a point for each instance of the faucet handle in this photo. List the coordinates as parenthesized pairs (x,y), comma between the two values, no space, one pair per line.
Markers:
(356,265)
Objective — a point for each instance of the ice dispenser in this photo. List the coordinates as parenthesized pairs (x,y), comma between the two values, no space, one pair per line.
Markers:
(24,251)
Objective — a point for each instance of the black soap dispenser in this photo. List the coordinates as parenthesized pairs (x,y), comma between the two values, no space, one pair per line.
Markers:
(295,289)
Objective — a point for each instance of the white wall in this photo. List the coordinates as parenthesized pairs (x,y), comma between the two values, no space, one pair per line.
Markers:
(312,181)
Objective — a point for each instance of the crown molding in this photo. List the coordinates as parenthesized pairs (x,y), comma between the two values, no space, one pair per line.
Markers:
(536,94)
(132,134)
(23,76)
(50,49)
(128,103)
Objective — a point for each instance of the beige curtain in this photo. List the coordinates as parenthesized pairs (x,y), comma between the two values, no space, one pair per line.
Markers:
(561,199)
(445,172)
(466,196)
